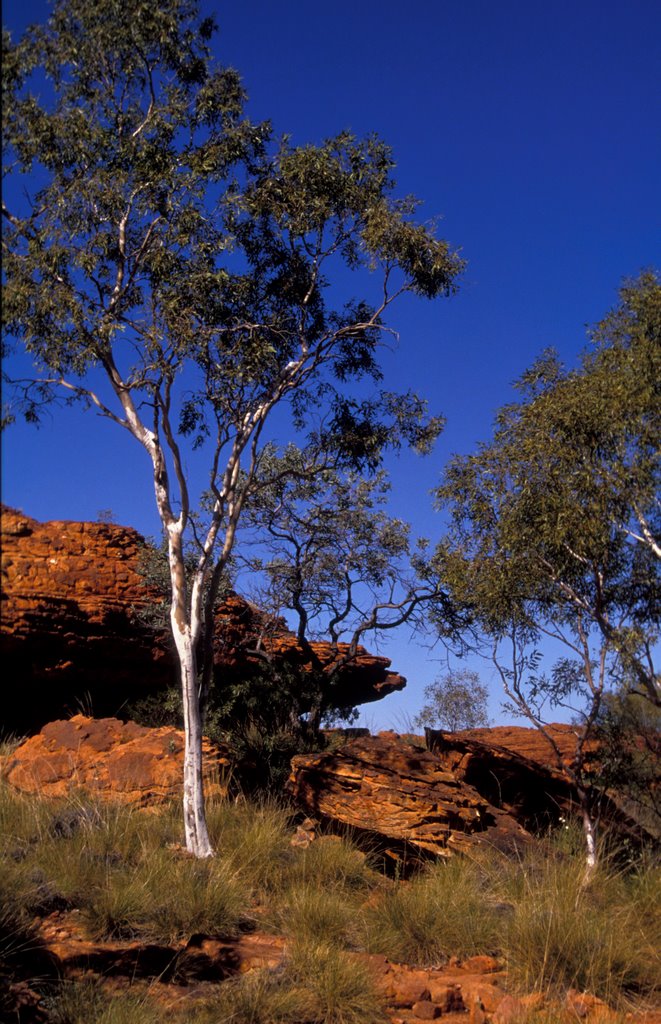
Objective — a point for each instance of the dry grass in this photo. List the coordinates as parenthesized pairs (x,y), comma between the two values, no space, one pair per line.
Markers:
(126,872)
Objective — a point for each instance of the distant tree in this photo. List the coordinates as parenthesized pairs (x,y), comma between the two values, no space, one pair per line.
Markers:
(169,269)
(337,564)
(457,700)
(556,528)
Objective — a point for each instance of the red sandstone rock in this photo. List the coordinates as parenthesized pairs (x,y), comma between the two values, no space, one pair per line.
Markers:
(535,794)
(400,792)
(530,742)
(510,1011)
(477,1014)
(425,1010)
(109,759)
(69,639)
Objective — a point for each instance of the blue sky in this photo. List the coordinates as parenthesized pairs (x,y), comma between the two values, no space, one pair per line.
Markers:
(531,129)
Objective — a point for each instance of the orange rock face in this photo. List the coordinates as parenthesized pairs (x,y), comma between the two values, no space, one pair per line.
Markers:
(110,759)
(69,639)
(402,794)
(459,794)
(530,742)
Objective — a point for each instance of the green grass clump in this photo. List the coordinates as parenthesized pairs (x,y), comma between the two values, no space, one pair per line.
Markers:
(87,1001)
(444,911)
(319,984)
(169,898)
(333,861)
(255,837)
(314,913)
(599,937)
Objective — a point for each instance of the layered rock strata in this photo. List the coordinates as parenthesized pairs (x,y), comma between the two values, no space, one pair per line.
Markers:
(403,796)
(460,794)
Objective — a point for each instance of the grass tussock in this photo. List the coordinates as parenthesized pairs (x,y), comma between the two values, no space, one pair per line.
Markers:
(126,873)
(87,1001)
(447,910)
(319,984)
(600,937)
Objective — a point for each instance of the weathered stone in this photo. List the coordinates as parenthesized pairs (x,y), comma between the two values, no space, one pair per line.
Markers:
(446,995)
(405,986)
(587,1007)
(511,1010)
(536,794)
(110,759)
(426,1010)
(69,639)
(482,991)
(477,1014)
(482,964)
(401,793)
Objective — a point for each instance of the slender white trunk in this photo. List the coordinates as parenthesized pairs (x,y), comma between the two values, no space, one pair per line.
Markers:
(185,639)
(195,824)
(589,831)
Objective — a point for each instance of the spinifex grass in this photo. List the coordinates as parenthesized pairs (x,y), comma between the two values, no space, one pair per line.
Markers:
(128,874)
(602,937)
(86,1001)
(445,910)
(315,913)
(319,984)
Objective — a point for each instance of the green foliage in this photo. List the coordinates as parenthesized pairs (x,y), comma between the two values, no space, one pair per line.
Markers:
(629,731)
(455,701)
(167,267)
(556,521)
(556,529)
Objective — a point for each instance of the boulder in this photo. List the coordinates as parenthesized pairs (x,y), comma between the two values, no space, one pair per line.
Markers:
(441,800)
(536,794)
(70,639)
(403,796)
(108,759)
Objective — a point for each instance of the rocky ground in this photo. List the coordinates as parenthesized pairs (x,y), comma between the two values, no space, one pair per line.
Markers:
(384,786)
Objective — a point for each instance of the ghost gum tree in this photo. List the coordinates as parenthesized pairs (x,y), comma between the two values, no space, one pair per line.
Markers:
(556,529)
(168,266)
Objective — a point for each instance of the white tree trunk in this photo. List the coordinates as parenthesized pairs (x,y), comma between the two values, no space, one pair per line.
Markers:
(195,825)
(185,634)
(590,833)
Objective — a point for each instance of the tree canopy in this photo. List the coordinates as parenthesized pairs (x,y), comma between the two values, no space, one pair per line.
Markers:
(556,525)
(556,522)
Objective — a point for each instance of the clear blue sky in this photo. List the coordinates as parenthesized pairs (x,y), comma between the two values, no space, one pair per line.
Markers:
(532,129)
